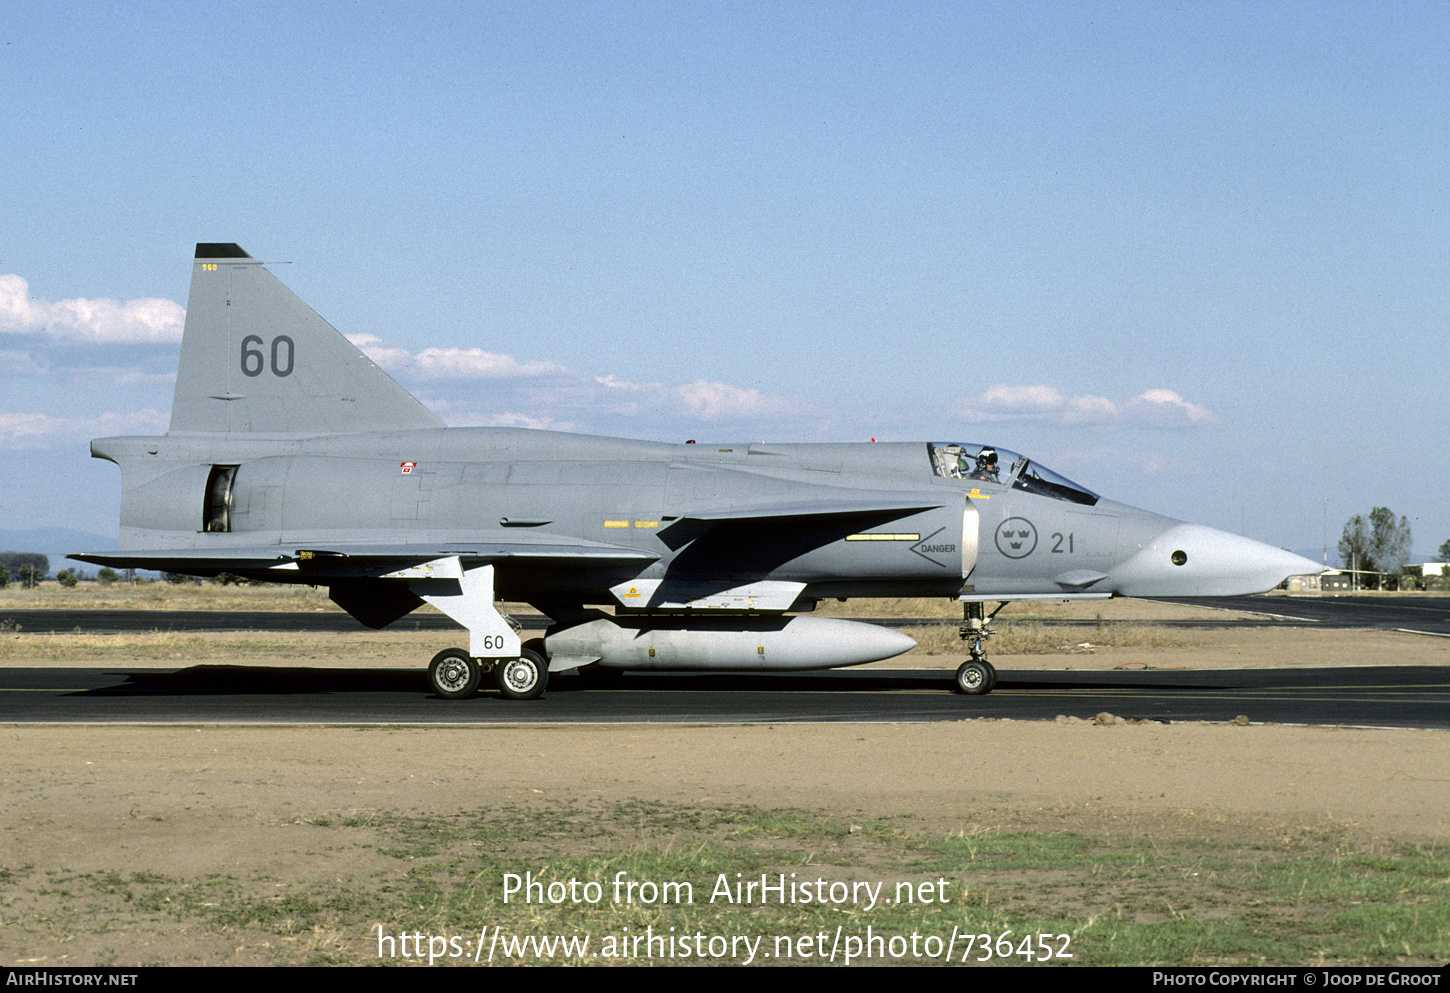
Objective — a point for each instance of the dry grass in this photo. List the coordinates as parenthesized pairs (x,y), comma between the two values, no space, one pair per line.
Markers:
(171,648)
(168,648)
(160,596)
(1029,638)
(165,596)
(891,607)
(951,609)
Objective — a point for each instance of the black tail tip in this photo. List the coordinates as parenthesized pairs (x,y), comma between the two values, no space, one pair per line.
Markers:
(217,250)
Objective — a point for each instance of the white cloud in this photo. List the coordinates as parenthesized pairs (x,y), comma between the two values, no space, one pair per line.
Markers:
(520,421)
(475,363)
(1009,403)
(450,363)
(1166,408)
(560,397)
(613,382)
(466,414)
(385,355)
(30,430)
(102,321)
(1156,407)
(718,401)
(701,400)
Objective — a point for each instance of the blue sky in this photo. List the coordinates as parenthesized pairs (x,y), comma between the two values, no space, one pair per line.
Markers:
(1196,257)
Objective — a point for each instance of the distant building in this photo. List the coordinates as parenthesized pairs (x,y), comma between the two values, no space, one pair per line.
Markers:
(1333,581)
(1346,580)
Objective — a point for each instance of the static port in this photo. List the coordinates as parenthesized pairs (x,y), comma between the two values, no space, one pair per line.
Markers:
(1179,557)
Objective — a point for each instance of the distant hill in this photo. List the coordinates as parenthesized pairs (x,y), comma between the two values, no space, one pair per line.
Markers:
(56,543)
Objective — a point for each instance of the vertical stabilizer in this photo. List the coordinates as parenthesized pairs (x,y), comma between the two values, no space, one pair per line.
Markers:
(256,359)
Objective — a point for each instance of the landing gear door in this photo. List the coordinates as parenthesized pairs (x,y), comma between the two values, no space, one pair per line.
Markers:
(971,528)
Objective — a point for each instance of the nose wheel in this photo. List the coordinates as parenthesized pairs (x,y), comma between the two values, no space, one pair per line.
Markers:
(976,678)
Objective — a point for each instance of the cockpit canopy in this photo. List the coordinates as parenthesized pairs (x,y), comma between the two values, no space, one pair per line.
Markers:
(989,464)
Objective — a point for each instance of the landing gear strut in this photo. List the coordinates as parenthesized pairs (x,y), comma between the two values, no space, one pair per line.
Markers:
(976,676)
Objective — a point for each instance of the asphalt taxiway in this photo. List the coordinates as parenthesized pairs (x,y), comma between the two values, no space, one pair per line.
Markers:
(1382,696)
(1379,612)
(1372,696)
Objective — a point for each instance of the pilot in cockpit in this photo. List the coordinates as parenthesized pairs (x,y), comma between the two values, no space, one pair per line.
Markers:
(986,467)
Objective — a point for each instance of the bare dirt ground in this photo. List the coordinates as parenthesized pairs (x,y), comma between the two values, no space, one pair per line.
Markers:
(79,803)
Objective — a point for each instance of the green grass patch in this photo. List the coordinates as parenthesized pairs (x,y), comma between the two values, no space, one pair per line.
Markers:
(635,872)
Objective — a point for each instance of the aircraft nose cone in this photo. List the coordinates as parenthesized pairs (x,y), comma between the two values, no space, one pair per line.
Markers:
(1191,560)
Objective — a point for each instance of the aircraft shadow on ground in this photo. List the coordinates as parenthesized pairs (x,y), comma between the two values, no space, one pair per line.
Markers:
(227,680)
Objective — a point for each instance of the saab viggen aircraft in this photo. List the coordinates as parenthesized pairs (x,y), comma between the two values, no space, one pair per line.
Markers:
(291,457)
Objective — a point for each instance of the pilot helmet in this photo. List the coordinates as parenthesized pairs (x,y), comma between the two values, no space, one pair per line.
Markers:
(987,456)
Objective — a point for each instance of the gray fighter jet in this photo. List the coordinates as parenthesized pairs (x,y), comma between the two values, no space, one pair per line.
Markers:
(292,458)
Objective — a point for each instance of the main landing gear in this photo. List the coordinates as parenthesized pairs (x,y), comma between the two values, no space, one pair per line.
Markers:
(467,596)
(456,675)
(976,676)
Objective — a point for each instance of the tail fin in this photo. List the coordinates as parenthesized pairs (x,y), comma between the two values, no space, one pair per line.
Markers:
(256,359)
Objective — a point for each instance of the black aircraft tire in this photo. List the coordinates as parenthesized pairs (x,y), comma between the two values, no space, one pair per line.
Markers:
(523,678)
(454,675)
(975,678)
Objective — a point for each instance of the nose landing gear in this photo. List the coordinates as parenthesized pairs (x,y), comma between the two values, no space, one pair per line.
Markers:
(976,676)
